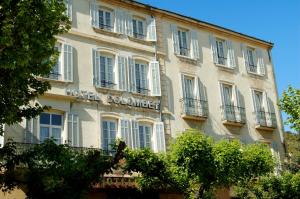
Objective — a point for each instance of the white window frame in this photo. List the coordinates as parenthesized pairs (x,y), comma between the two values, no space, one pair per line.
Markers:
(144,126)
(221,60)
(109,120)
(136,23)
(105,26)
(106,82)
(183,50)
(143,89)
(71,121)
(253,59)
(50,126)
(57,75)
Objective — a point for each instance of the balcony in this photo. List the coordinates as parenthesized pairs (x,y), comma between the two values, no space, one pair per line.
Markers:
(194,109)
(233,115)
(265,121)
(184,51)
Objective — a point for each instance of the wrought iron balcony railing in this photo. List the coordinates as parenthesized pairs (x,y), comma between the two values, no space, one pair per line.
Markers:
(222,60)
(139,36)
(233,113)
(106,27)
(184,51)
(265,119)
(194,107)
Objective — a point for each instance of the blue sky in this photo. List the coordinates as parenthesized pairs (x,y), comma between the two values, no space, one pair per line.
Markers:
(277,21)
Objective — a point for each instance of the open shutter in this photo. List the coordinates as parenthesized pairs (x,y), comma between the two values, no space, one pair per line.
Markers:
(230,54)
(200,96)
(73,129)
(135,134)
(175,38)
(237,109)
(182,90)
(68,62)
(256,106)
(151,29)
(68,4)
(120,21)
(245,56)
(129,25)
(260,62)
(267,108)
(122,71)
(96,68)
(214,50)
(94,14)
(28,136)
(159,137)
(132,78)
(155,78)
(195,51)
(125,132)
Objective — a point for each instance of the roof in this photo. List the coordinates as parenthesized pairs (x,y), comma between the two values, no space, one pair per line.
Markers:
(200,21)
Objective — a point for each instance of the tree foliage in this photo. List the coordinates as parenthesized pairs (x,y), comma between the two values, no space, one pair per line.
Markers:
(27,30)
(53,171)
(292,142)
(290,104)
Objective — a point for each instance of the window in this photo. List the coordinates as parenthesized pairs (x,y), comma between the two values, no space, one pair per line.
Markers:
(106,71)
(109,129)
(105,19)
(221,51)
(182,35)
(141,74)
(73,130)
(228,102)
(138,28)
(51,127)
(252,60)
(145,136)
(55,72)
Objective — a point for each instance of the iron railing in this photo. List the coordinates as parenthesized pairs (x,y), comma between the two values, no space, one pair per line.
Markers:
(233,113)
(184,51)
(265,119)
(194,107)
(222,60)
(253,68)
(142,90)
(139,36)
(54,75)
(106,27)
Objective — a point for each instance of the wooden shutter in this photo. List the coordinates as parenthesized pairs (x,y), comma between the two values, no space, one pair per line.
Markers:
(135,134)
(260,62)
(195,51)
(68,62)
(122,71)
(125,132)
(237,103)
(68,4)
(96,68)
(94,12)
(132,78)
(129,25)
(175,39)
(155,78)
(245,56)
(151,29)
(120,21)
(73,129)
(230,54)
(200,96)
(159,137)
(214,50)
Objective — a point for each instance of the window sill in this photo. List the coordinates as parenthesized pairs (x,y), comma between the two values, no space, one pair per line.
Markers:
(141,41)
(224,67)
(54,80)
(265,128)
(187,59)
(255,74)
(106,32)
(233,123)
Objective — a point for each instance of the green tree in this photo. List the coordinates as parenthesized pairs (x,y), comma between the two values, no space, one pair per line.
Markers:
(54,171)
(27,39)
(292,142)
(290,104)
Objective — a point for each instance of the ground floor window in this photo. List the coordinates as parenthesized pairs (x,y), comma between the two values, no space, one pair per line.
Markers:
(145,136)
(51,127)
(109,129)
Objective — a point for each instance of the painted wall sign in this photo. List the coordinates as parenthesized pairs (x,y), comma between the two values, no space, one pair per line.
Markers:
(85,95)
(133,102)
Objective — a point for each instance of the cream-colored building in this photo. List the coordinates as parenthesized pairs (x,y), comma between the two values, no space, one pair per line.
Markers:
(143,74)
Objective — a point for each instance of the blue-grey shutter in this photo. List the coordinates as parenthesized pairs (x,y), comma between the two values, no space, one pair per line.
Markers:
(68,62)
(230,54)
(155,78)
(73,129)
(94,12)
(214,50)
(151,29)
(159,137)
(132,78)
(69,5)
(175,38)
(120,21)
(129,25)
(96,68)
(122,71)
(125,132)
(245,56)
(195,51)
(135,134)
(260,62)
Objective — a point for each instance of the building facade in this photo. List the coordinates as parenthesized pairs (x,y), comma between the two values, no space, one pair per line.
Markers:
(131,71)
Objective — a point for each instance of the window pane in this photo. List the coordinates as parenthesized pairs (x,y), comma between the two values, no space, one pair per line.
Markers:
(44,133)
(141,28)
(107,18)
(45,118)
(142,137)
(56,120)
(56,134)
(147,137)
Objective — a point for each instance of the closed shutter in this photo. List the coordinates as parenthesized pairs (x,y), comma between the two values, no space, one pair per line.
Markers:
(125,132)
(94,14)
(214,50)
(195,51)
(122,71)
(135,134)
(73,129)
(69,4)
(96,68)
(155,78)
(120,21)
(151,29)
(132,78)
(230,55)
(129,25)
(159,137)
(260,62)
(175,38)
(245,56)
(68,62)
